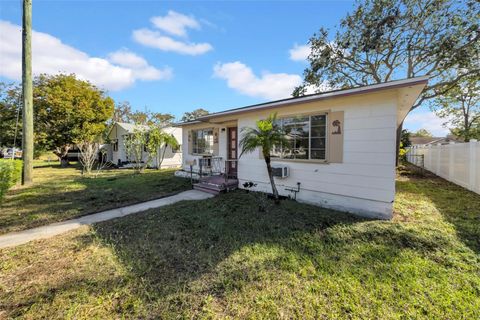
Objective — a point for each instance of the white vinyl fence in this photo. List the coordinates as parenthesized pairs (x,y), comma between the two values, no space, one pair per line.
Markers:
(456,162)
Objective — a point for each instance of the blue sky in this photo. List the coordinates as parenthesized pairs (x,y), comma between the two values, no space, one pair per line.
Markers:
(177,56)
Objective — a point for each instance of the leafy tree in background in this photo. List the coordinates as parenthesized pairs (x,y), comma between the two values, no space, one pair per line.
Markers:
(68,111)
(382,40)
(157,143)
(162,119)
(10,110)
(122,112)
(406,138)
(190,116)
(135,144)
(265,136)
(422,133)
(460,106)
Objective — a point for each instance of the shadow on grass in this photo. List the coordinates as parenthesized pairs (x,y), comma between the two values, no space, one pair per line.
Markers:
(71,195)
(173,248)
(456,205)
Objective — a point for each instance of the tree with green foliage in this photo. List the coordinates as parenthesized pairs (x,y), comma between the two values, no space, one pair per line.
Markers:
(68,111)
(123,112)
(10,115)
(135,145)
(422,133)
(195,114)
(406,138)
(265,136)
(383,40)
(460,107)
(157,143)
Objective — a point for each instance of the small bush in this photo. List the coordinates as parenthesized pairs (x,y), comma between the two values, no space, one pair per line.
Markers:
(10,174)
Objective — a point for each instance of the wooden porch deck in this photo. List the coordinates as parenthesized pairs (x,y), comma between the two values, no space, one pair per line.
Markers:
(216,184)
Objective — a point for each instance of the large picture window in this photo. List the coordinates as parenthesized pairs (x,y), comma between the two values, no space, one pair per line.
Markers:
(202,141)
(306,137)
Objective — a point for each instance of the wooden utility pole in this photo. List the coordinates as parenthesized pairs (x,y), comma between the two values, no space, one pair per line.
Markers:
(27,93)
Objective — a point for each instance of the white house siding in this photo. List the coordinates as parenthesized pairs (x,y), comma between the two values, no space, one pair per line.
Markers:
(171,160)
(118,133)
(365,182)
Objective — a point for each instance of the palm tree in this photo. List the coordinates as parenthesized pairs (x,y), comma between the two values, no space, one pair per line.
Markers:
(157,138)
(168,140)
(265,136)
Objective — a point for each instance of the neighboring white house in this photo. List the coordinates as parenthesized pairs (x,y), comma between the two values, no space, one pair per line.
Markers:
(118,155)
(342,151)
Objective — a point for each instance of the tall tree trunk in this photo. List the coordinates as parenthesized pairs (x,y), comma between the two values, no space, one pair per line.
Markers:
(467,127)
(399,139)
(270,176)
(163,156)
(27,92)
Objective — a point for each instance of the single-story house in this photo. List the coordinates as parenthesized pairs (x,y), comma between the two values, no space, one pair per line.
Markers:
(117,154)
(425,141)
(342,151)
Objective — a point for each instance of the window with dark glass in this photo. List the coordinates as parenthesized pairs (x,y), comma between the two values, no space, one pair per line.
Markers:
(306,136)
(202,141)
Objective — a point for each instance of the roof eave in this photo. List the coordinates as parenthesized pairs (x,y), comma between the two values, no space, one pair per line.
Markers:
(319,96)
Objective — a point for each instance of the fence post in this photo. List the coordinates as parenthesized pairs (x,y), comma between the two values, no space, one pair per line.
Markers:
(472,163)
(439,153)
(451,160)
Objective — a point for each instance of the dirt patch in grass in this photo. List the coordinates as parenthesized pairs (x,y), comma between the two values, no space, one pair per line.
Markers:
(221,258)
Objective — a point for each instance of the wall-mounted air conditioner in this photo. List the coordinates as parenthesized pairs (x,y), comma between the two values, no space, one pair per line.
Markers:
(280,171)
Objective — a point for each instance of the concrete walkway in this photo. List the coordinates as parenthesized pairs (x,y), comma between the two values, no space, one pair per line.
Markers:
(17,238)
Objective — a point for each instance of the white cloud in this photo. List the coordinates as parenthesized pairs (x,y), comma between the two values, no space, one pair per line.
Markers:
(156,40)
(421,119)
(51,56)
(139,66)
(299,53)
(241,78)
(175,23)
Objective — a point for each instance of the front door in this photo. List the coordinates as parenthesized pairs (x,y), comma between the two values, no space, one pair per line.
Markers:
(232,152)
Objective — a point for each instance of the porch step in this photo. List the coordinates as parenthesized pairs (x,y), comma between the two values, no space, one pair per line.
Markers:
(215,185)
(207,188)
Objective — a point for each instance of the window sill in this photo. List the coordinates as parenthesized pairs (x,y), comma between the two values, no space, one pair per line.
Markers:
(301,161)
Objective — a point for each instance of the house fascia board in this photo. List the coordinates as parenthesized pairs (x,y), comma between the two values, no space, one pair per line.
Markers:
(317,97)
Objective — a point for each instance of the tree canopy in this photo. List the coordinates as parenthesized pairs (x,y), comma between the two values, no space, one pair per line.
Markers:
(383,40)
(190,116)
(460,107)
(422,133)
(10,110)
(68,111)
(124,112)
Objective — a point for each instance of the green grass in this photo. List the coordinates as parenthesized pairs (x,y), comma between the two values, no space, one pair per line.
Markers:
(62,193)
(221,258)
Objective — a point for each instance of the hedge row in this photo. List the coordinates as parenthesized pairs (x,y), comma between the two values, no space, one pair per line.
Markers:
(10,174)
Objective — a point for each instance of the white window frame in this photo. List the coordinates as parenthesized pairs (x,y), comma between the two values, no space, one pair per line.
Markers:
(194,141)
(280,158)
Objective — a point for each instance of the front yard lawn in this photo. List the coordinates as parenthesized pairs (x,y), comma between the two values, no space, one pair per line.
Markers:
(222,258)
(61,193)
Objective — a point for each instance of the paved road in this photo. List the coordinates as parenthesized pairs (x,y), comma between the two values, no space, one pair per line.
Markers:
(17,238)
